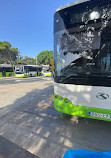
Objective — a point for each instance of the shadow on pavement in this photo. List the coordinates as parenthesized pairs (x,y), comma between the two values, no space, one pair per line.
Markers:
(11,150)
(35,125)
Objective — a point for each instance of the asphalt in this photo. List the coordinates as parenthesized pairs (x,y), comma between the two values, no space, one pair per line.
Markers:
(5,81)
(9,149)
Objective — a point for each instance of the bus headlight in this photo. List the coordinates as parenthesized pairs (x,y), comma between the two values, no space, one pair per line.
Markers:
(66,100)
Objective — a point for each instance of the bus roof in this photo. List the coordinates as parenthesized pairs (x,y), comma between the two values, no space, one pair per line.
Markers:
(71,4)
(5,65)
(28,65)
(32,65)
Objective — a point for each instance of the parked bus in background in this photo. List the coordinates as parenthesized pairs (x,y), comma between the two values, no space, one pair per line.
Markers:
(6,70)
(52,66)
(46,72)
(82,58)
(28,70)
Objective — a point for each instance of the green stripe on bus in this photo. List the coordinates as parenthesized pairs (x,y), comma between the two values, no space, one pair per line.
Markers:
(64,105)
(35,75)
(0,74)
(25,75)
(21,75)
(9,74)
(47,75)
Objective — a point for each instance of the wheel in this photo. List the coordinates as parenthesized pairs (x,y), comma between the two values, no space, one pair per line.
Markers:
(10,75)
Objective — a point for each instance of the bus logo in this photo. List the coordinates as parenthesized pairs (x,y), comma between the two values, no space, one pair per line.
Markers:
(102,96)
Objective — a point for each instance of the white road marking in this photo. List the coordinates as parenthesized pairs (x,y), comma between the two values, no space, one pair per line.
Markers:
(18,80)
(48,79)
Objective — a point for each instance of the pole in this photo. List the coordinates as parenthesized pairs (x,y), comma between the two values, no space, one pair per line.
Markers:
(36,60)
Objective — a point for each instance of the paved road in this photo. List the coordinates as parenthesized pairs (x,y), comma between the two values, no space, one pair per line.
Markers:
(11,150)
(23,80)
(28,119)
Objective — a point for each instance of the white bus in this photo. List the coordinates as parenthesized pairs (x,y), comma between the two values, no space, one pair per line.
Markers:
(46,72)
(6,70)
(82,57)
(28,70)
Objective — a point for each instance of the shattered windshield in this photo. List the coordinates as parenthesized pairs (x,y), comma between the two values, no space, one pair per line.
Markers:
(83,40)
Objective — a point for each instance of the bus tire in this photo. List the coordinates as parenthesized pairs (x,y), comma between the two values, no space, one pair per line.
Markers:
(10,75)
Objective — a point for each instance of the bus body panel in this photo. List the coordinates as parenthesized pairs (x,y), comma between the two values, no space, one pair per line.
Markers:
(92,102)
(91,96)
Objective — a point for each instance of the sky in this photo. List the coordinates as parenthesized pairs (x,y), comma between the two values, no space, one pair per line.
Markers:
(28,24)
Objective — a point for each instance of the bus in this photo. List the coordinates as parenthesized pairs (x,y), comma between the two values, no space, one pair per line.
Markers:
(82,59)
(28,70)
(52,67)
(6,70)
(46,72)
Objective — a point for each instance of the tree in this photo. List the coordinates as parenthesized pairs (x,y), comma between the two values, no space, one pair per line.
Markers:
(44,57)
(8,54)
(25,60)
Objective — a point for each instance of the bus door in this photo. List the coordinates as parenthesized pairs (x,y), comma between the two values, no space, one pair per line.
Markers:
(3,72)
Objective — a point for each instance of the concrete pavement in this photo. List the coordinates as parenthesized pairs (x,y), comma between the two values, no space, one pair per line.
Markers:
(11,150)
(28,119)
